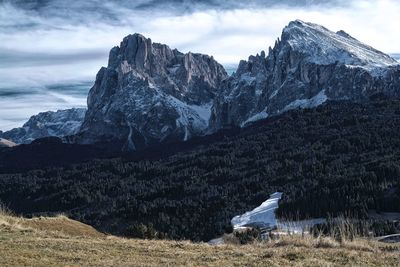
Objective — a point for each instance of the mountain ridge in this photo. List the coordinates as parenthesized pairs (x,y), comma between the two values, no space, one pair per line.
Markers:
(150,93)
(308,65)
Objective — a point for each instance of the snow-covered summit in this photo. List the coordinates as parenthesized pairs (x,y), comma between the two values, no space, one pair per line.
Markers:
(323,46)
(307,66)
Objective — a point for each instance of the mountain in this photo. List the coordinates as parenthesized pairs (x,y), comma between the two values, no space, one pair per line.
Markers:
(59,124)
(306,67)
(150,93)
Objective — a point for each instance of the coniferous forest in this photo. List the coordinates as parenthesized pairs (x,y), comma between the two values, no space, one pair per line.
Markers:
(337,158)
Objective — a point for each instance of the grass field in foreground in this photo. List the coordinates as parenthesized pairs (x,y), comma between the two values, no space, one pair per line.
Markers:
(60,241)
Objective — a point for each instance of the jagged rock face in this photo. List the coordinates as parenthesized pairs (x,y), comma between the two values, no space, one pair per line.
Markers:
(150,93)
(58,124)
(308,66)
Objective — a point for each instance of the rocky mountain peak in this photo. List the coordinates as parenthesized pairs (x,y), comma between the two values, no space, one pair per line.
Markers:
(133,49)
(149,93)
(253,66)
(308,65)
(157,63)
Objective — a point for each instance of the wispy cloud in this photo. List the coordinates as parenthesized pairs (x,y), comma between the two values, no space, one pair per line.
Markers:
(17,106)
(88,29)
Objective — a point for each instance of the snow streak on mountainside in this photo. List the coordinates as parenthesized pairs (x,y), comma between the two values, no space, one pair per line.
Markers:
(307,66)
(150,93)
(60,123)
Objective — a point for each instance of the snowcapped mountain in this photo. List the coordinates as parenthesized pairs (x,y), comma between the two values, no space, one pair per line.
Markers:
(150,93)
(60,123)
(306,67)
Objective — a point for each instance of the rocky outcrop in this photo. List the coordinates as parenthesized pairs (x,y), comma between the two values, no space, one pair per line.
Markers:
(58,124)
(306,67)
(149,93)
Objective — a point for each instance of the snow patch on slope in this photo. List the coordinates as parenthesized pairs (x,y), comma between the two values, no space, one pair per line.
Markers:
(262,216)
(204,111)
(190,116)
(299,227)
(259,116)
(313,102)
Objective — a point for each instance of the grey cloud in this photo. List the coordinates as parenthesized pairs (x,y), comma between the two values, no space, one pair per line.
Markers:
(83,11)
(21,58)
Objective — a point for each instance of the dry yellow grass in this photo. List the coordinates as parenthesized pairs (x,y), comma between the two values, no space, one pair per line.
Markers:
(54,225)
(60,241)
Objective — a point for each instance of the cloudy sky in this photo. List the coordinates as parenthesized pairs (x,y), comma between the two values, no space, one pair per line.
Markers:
(50,50)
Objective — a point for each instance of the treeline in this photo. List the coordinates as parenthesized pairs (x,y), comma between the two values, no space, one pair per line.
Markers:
(337,158)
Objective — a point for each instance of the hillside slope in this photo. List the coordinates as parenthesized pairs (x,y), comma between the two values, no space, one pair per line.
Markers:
(26,244)
(340,157)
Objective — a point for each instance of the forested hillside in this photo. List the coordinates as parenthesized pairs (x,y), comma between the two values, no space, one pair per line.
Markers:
(339,157)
